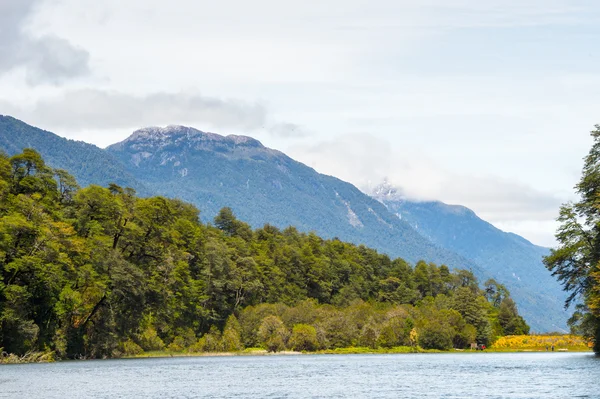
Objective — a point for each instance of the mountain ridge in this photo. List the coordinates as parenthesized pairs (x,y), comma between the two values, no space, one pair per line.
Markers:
(156,133)
(87,162)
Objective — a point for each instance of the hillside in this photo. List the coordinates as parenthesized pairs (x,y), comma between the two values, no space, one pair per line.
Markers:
(509,258)
(86,162)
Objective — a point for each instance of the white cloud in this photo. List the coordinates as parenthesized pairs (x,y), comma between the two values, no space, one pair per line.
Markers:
(47,58)
(366,160)
(75,110)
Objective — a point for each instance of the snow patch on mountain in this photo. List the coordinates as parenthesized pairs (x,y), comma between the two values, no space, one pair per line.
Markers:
(386,192)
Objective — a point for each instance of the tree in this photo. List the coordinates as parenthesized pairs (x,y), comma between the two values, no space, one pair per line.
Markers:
(67,185)
(474,312)
(232,341)
(509,319)
(230,225)
(434,335)
(273,334)
(576,260)
(495,292)
(31,175)
(304,338)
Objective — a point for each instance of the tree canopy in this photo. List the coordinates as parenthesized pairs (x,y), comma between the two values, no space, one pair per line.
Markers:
(99,272)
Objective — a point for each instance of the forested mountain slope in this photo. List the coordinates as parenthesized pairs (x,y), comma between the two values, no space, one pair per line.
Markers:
(88,163)
(508,257)
(262,185)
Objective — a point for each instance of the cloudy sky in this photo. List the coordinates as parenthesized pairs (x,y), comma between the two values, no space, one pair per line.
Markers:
(485,103)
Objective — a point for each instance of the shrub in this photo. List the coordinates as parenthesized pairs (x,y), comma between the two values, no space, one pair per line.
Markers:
(273,334)
(435,336)
(130,348)
(150,341)
(304,338)
(178,344)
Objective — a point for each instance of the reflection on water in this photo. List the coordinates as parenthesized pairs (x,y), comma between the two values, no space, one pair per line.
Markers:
(482,375)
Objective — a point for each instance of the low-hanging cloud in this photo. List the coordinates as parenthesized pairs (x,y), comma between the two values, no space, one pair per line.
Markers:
(46,59)
(366,160)
(76,110)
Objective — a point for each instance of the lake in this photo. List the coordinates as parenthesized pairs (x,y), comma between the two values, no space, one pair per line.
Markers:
(481,375)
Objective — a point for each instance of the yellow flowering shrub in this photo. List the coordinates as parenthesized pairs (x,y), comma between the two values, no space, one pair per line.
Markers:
(540,342)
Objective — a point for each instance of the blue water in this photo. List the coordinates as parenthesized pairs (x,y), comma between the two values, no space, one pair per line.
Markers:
(482,375)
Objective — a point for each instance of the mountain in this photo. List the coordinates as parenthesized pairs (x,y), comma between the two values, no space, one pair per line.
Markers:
(509,258)
(88,163)
(262,185)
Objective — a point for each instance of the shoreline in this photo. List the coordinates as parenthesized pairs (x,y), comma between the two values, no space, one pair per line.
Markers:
(339,351)
(346,351)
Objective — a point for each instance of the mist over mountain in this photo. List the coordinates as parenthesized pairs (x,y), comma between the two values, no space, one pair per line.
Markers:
(263,185)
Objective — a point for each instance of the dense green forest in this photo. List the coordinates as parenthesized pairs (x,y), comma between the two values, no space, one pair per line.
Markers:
(99,272)
(576,262)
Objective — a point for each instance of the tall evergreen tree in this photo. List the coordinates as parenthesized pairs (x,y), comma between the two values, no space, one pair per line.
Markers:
(576,261)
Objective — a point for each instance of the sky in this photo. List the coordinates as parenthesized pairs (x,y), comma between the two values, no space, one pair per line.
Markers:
(483,103)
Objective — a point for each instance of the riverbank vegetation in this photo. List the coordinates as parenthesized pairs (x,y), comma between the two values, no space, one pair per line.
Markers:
(536,342)
(29,357)
(99,272)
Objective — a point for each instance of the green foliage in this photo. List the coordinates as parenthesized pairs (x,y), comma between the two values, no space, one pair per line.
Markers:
(232,341)
(304,338)
(273,334)
(576,261)
(130,348)
(98,272)
(395,331)
(435,336)
(509,319)
(209,342)
(150,341)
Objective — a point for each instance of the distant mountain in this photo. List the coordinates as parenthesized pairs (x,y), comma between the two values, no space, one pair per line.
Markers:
(509,258)
(263,186)
(88,163)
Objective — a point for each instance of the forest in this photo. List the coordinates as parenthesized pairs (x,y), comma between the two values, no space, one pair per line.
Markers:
(99,272)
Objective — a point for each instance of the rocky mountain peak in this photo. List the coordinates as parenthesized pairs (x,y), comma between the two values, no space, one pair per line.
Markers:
(159,137)
(386,191)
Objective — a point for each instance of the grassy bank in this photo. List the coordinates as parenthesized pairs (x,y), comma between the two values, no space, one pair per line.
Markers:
(31,357)
(262,352)
(513,343)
